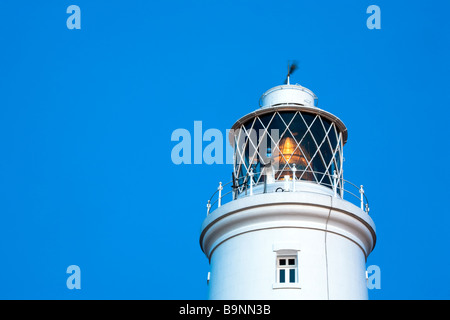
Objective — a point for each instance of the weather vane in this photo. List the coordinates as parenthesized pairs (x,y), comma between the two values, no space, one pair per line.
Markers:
(291,68)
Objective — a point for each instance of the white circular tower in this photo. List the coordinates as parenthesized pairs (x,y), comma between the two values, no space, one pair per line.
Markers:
(281,229)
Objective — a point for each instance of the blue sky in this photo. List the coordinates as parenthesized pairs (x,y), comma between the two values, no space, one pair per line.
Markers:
(86,117)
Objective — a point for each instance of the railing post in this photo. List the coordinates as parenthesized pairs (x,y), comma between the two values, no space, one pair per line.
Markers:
(219,201)
(208,207)
(335,183)
(294,170)
(250,174)
(265,184)
(286,182)
(361,191)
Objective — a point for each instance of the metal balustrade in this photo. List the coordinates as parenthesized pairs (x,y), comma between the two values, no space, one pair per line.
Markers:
(219,197)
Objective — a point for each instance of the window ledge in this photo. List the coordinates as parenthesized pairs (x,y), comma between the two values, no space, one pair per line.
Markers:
(286,286)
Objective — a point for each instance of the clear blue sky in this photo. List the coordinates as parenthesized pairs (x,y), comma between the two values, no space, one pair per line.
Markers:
(86,117)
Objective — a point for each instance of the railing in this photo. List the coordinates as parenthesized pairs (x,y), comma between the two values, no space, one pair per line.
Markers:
(218,197)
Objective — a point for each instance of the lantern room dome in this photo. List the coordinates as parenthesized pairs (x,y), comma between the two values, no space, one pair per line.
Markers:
(287,94)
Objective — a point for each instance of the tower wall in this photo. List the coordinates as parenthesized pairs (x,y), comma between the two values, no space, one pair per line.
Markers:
(331,239)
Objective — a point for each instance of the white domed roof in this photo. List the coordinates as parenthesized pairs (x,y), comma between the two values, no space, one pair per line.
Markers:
(287,94)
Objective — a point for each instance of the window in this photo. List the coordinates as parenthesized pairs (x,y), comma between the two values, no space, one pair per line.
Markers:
(287,269)
(286,265)
(309,140)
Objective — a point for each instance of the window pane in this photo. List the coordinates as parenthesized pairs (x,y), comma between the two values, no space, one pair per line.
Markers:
(282,262)
(291,275)
(282,276)
(287,116)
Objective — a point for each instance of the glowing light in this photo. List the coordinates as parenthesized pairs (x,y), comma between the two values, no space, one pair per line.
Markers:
(290,153)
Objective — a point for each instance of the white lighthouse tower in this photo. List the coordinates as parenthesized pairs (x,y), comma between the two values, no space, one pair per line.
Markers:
(288,226)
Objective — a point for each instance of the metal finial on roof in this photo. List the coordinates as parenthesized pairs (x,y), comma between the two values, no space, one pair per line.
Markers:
(291,68)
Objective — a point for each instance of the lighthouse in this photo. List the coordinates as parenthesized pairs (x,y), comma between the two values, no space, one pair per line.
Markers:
(288,225)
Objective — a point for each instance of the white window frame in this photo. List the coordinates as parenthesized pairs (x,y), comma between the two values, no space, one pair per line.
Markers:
(287,267)
(286,251)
